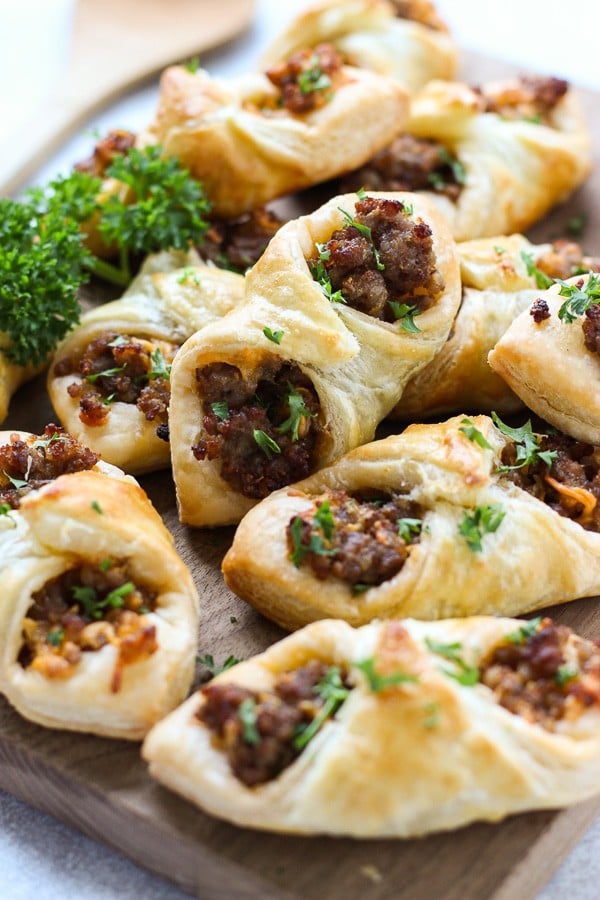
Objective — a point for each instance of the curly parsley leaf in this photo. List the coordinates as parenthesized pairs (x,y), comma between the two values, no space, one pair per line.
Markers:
(41,270)
(527,445)
(474,434)
(480,521)
(580,297)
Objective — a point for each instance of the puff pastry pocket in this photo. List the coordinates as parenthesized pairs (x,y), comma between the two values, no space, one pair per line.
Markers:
(343,307)
(500,280)
(314,120)
(549,357)
(460,518)
(495,159)
(406,41)
(98,616)
(392,730)
(110,378)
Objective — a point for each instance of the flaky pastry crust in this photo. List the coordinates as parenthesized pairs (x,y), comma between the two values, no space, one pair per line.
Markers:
(370,35)
(535,557)
(427,755)
(86,517)
(174,296)
(262,155)
(357,364)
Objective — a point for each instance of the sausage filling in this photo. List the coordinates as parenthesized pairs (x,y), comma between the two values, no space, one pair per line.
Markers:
(410,164)
(83,610)
(237,244)
(263,428)
(570,485)
(544,673)
(28,465)
(382,263)
(263,732)
(362,540)
(115,143)
(531,98)
(307,79)
(566,259)
(116,367)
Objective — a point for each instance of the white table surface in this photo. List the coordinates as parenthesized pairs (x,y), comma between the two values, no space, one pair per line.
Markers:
(41,859)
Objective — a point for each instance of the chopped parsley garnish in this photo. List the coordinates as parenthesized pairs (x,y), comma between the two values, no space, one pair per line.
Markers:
(332,691)
(321,276)
(480,521)
(377,682)
(119,341)
(189,274)
(361,588)
(580,297)
(5,508)
(474,434)
(266,443)
(409,528)
(527,445)
(576,225)
(464,673)
(233,620)
(432,714)
(160,368)
(55,637)
(542,280)
(456,167)
(405,315)
(247,716)
(565,674)
(105,564)
(44,443)
(274,336)
(298,414)
(366,232)
(106,373)
(324,522)
(524,631)
(499,250)
(16,482)
(96,507)
(208,661)
(96,607)
(220,409)
(192,65)
(313,79)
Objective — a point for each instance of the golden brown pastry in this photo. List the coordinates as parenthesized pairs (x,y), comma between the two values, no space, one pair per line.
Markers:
(405,40)
(343,307)
(99,614)
(550,359)
(396,729)
(460,518)
(495,159)
(498,276)
(133,341)
(314,121)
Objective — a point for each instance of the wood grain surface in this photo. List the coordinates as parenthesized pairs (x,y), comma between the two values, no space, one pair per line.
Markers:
(117,44)
(102,787)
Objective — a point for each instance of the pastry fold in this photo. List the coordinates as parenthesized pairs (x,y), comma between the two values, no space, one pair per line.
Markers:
(121,683)
(414,752)
(496,288)
(370,34)
(174,296)
(527,557)
(357,364)
(515,169)
(265,152)
(548,365)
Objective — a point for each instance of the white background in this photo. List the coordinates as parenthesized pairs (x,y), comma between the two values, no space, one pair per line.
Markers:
(39,858)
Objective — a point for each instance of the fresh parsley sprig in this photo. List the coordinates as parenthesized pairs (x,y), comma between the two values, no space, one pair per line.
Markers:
(527,445)
(324,523)
(474,434)
(333,692)
(464,673)
(378,682)
(299,413)
(524,631)
(405,316)
(542,280)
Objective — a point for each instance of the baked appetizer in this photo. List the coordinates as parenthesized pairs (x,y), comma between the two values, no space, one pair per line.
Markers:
(495,158)
(110,379)
(460,518)
(395,729)
(500,279)
(343,307)
(549,356)
(308,119)
(404,39)
(99,614)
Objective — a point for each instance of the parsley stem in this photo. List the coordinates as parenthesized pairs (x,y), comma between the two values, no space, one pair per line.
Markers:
(107,271)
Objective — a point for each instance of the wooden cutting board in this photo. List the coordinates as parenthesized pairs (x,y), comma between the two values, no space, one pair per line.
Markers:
(102,788)
(118,44)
